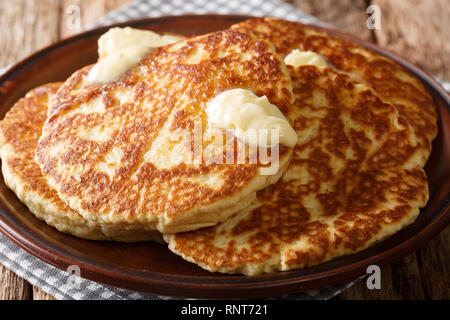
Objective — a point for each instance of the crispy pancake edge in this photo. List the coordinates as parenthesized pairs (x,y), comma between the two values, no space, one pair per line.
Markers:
(19,134)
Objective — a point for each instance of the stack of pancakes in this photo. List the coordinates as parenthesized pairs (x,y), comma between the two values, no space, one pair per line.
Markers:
(105,161)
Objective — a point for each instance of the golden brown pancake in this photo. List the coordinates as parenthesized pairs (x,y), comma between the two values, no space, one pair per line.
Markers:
(19,135)
(390,80)
(114,151)
(352,181)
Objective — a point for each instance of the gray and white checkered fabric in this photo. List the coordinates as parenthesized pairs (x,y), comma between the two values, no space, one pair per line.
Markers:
(64,285)
(157,8)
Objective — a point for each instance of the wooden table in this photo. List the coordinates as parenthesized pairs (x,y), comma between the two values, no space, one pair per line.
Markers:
(418,30)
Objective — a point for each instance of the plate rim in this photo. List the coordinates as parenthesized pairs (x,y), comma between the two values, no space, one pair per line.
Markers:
(286,283)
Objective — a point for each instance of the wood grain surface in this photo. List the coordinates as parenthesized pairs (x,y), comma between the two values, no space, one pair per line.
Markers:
(418,30)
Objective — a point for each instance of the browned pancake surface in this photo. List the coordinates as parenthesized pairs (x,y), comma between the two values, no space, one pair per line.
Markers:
(19,134)
(352,181)
(21,129)
(390,80)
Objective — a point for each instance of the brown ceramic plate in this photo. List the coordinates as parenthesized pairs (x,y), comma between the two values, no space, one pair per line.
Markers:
(151,267)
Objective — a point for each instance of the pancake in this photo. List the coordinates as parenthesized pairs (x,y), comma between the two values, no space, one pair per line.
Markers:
(352,181)
(19,135)
(118,152)
(391,81)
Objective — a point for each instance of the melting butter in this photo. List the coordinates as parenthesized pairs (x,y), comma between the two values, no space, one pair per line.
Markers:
(299,58)
(120,49)
(250,118)
(120,38)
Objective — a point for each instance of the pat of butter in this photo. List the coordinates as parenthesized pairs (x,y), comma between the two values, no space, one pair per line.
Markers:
(250,117)
(120,49)
(299,58)
(120,38)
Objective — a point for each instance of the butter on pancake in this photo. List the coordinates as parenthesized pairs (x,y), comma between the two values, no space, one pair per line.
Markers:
(299,58)
(251,118)
(119,49)
(19,135)
(117,38)
(114,151)
(389,79)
